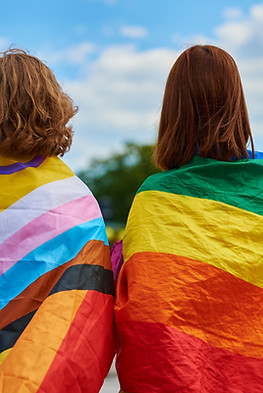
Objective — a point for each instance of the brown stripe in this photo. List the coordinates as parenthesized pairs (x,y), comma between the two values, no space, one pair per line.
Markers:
(93,253)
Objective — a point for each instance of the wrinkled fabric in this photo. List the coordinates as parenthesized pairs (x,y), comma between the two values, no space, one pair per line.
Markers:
(189,297)
(56,281)
(116,259)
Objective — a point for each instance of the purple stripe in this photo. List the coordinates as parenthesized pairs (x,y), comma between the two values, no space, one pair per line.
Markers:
(19,166)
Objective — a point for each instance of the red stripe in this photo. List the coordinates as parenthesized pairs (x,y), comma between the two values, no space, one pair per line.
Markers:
(159,359)
(85,355)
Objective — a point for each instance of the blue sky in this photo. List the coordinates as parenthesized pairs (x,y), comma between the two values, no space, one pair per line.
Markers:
(113,57)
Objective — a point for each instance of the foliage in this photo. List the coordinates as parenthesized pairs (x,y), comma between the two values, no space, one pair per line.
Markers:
(114,181)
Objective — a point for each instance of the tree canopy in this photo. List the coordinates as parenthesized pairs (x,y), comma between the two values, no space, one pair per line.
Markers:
(115,180)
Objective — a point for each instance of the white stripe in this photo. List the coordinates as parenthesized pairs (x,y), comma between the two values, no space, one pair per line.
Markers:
(39,201)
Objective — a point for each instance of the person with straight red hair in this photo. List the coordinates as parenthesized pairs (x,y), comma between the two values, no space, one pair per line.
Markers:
(190,291)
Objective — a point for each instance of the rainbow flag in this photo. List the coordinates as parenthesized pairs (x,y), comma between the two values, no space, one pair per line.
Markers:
(189,298)
(56,281)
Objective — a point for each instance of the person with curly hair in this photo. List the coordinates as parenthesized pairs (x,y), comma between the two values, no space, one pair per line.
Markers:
(56,281)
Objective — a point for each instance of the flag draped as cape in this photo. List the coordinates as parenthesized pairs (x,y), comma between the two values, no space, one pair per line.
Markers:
(56,282)
(189,297)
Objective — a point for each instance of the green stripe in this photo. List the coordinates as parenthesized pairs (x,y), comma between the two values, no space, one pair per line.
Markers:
(237,183)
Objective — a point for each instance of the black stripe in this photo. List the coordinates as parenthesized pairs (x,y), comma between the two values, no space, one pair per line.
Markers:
(10,333)
(83,277)
(92,277)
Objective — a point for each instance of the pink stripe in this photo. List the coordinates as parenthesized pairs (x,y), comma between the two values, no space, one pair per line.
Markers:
(45,227)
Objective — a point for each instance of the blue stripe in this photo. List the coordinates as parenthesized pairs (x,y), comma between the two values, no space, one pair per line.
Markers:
(258,154)
(48,256)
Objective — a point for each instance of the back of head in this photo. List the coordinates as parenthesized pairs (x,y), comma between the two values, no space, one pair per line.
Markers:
(34,111)
(204,110)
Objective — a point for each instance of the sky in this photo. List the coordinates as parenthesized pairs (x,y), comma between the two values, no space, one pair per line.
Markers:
(112,57)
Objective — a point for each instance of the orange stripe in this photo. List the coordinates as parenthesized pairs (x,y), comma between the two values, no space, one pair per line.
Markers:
(193,297)
(93,253)
(85,355)
(27,363)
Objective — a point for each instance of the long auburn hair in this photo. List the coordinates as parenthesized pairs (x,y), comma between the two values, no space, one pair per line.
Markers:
(204,110)
(34,111)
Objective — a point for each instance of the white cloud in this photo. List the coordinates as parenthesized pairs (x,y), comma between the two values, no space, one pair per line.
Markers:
(244,36)
(257,12)
(232,12)
(119,99)
(133,31)
(120,91)
(75,54)
(243,39)
(235,34)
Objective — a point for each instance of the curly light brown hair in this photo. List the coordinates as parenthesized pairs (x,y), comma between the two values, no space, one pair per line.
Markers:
(34,111)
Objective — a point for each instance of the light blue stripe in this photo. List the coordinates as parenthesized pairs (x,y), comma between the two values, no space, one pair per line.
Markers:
(48,256)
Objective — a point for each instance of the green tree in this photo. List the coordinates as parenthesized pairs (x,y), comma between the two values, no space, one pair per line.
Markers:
(114,181)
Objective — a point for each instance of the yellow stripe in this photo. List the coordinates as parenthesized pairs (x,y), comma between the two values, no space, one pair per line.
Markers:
(204,230)
(4,160)
(17,185)
(36,348)
(8,159)
(4,354)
